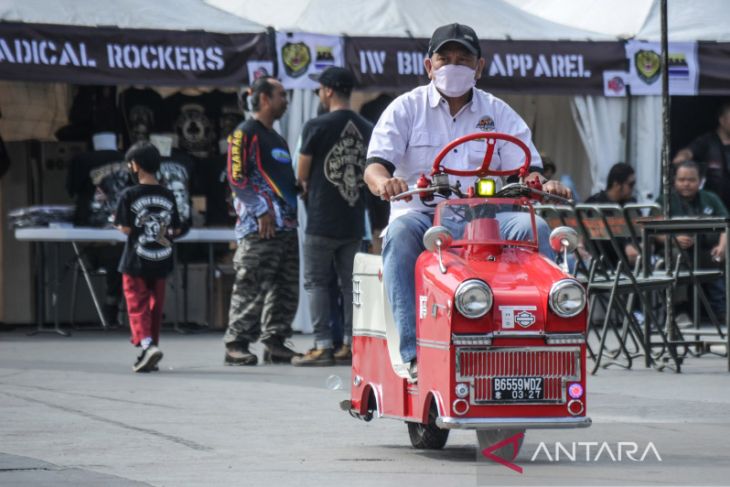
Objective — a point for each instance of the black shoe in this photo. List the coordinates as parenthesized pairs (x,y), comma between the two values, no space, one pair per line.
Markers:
(277,352)
(148,359)
(237,354)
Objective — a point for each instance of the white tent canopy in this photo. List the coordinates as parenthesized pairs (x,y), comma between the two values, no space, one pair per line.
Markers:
(491,19)
(688,20)
(128,14)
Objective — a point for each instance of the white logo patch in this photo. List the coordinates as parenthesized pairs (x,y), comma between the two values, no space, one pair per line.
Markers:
(517,314)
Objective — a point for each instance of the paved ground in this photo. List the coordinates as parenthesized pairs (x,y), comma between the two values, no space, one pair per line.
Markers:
(72,413)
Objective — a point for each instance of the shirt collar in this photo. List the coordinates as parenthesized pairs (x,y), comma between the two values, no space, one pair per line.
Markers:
(434,98)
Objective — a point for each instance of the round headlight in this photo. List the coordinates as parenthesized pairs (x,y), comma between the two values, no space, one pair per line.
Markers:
(473,298)
(567,298)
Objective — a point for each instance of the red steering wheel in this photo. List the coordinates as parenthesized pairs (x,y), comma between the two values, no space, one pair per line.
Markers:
(492,138)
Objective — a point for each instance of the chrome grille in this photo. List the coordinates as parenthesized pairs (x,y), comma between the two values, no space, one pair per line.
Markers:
(556,365)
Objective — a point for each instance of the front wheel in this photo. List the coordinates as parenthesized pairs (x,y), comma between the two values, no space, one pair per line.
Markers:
(427,436)
(510,450)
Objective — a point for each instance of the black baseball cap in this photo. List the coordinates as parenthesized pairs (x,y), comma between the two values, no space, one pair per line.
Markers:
(463,34)
(339,79)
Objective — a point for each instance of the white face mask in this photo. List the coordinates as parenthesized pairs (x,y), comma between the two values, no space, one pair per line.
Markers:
(454,79)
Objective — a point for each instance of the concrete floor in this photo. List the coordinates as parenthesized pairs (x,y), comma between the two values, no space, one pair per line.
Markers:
(73,413)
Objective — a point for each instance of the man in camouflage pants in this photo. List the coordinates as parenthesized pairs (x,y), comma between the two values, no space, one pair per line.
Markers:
(266,289)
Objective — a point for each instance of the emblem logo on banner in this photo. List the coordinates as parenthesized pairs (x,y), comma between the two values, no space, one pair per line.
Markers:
(296,57)
(325,58)
(645,68)
(648,64)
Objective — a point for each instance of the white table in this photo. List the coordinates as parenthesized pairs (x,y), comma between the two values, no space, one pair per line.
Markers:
(75,235)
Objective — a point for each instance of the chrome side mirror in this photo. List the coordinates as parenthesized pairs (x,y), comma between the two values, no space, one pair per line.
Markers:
(564,239)
(437,238)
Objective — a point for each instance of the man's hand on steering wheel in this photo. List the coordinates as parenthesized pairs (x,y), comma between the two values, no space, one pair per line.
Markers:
(388,187)
(552,187)
(558,189)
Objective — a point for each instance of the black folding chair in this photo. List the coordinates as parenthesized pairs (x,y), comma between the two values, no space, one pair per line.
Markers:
(607,228)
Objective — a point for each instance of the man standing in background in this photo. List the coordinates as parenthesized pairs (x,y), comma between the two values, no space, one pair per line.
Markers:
(330,169)
(266,290)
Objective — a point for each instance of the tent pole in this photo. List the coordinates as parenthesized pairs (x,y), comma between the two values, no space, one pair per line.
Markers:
(666,180)
(629,128)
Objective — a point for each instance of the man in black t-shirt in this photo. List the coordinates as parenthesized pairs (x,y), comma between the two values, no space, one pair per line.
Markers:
(712,152)
(330,169)
(619,191)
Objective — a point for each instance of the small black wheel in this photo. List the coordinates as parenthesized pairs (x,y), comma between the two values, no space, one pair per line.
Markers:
(428,436)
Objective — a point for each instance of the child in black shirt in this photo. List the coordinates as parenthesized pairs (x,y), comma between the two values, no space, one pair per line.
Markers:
(148,215)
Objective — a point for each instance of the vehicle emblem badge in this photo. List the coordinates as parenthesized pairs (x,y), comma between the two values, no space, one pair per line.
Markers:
(522,315)
(524,319)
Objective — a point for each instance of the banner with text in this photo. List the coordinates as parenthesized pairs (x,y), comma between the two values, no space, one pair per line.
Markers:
(108,55)
(511,66)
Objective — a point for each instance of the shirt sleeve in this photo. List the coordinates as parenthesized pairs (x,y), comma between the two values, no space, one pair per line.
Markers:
(699,148)
(240,147)
(510,155)
(309,139)
(389,139)
(717,204)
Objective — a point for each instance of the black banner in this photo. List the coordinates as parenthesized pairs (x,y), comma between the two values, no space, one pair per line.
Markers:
(108,55)
(714,68)
(538,67)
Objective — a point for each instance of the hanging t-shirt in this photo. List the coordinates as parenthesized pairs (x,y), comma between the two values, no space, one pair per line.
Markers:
(210,181)
(96,180)
(176,174)
(337,142)
(150,211)
(140,110)
(227,114)
(192,118)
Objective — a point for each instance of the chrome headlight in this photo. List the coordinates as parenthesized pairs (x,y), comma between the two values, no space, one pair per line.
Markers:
(567,298)
(473,298)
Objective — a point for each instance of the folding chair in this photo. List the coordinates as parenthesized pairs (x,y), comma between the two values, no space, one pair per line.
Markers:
(607,227)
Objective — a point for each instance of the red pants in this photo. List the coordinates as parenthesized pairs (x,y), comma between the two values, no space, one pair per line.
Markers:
(145,300)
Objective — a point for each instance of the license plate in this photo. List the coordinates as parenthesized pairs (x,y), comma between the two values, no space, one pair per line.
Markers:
(517,388)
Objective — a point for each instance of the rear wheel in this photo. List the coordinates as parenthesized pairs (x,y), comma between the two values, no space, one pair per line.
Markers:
(509,451)
(428,436)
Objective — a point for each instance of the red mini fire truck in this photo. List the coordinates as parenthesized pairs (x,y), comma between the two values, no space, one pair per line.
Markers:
(500,328)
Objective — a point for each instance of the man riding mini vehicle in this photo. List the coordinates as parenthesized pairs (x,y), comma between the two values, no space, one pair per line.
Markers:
(500,328)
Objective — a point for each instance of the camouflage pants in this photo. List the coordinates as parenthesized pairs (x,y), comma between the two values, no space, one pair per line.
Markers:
(266,290)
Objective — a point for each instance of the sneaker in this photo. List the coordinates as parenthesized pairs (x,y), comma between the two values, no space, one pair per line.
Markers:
(315,358)
(147,359)
(343,355)
(237,354)
(278,352)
